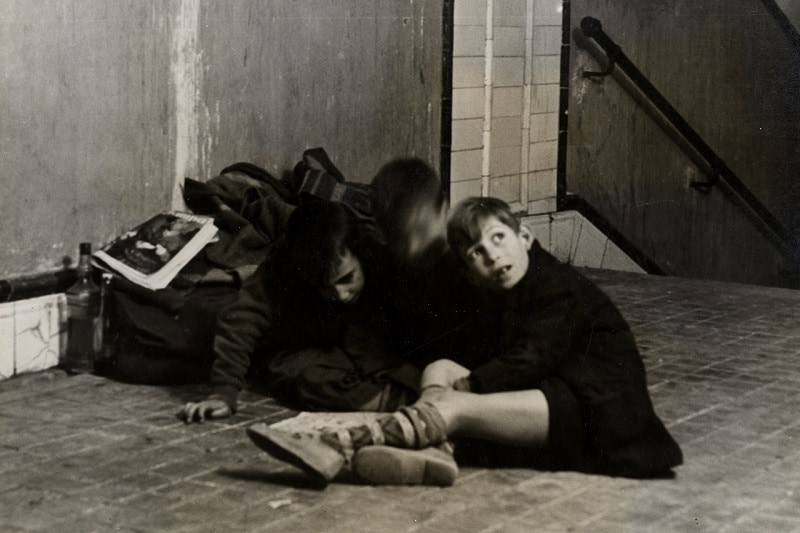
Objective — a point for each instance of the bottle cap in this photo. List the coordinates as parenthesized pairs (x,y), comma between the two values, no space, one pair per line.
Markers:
(85,248)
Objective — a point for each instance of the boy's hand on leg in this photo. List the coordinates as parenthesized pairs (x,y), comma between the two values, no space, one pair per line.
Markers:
(198,412)
(462,384)
(441,378)
(444,373)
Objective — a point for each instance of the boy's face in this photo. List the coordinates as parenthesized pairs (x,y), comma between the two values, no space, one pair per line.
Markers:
(347,280)
(500,258)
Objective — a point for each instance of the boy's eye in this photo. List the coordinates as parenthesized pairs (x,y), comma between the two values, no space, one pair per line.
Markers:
(497,237)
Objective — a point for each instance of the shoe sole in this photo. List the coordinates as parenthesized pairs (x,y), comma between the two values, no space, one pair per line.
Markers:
(319,462)
(386,465)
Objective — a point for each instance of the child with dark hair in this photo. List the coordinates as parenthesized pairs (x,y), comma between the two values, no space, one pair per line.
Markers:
(314,322)
(410,207)
(550,371)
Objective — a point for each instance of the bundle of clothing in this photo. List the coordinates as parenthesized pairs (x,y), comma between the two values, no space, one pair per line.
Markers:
(166,336)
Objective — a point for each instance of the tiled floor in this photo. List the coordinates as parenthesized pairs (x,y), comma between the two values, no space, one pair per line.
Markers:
(88,454)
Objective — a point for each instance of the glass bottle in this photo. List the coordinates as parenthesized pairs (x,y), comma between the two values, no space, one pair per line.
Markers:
(105,357)
(84,323)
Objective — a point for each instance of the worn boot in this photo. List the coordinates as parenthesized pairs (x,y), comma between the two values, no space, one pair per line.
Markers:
(387,465)
(322,455)
(319,460)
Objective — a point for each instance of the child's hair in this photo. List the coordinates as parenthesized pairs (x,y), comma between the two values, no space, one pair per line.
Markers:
(464,226)
(317,233)
(399,186)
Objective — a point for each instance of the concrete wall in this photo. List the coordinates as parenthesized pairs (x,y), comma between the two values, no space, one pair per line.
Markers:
(106,105)
(732,74)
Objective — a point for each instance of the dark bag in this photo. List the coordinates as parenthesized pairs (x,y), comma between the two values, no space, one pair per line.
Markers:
(165,337)
(315,175)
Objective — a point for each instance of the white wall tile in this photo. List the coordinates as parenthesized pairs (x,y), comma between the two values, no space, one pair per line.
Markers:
(509,41)
(468,72)
(6,340)
(469,12)
(547,40)
(506,101)
(577,227)
(468,103)
(460,190)
(506,131)
(539,227)
(547,12)
(505,161)
(544,98)
(510,12)
(546,69)
(38,327)
(590,246)
(466,165)
(561,233)
(469,41)
(616,259)
(543,205)
(508,71)
(544,127)
(506,188)
(543,156)
(467,134)
(542,184)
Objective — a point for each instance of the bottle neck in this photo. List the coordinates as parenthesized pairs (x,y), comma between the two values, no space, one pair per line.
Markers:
(84,268)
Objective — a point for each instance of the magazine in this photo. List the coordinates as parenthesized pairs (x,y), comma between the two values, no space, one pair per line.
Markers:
(152,253)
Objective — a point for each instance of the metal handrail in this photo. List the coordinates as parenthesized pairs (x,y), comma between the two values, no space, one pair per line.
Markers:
(593,29)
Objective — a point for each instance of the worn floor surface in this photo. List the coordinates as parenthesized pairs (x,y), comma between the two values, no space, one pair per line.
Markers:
(81,454)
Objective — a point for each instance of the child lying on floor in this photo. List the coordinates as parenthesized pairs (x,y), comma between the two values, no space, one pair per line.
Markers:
(314,321)
(551,369)
(331,252)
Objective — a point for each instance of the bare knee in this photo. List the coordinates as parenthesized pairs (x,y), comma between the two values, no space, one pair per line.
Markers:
(443,372)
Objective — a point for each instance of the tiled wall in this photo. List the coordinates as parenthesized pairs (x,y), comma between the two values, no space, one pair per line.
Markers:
(506,65)
(31,334)
(573,239)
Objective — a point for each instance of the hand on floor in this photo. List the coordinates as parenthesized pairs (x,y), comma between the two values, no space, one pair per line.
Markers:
(198,412)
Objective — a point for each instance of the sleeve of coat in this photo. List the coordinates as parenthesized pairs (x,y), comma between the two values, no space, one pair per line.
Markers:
(536,338)
(240,327)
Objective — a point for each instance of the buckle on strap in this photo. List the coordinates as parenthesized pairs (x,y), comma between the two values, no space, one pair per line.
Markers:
(409,433)
(376,432)
(346,440)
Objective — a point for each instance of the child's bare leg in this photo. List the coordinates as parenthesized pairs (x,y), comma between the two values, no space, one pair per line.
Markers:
(518,418)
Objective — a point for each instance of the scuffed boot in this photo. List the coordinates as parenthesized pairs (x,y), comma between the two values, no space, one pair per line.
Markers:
(308,451)
(322,455)
(387,465)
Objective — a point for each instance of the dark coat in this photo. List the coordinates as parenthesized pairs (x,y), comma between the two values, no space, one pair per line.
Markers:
(555,322)
(277,314)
